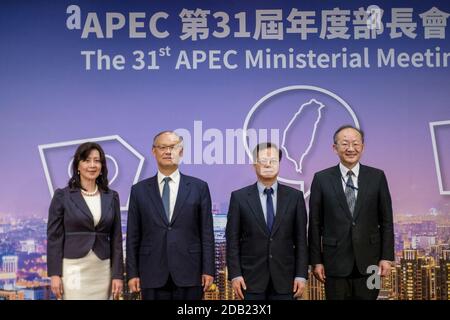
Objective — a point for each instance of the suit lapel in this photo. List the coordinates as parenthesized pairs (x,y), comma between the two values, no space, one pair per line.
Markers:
(77,199)
(155,196)
(362,188)
(106,201)
(282,204)
(337,185)
(183,191)
(255,206)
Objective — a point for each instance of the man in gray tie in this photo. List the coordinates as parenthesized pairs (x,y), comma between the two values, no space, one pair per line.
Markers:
(350,222)
(170,239)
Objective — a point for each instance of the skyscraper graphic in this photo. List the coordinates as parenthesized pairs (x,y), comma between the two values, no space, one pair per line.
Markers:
(315,289)
(389,285)
(417,276)
(212,293)
(10,264)
(408,275)
(221,283)
(443,277)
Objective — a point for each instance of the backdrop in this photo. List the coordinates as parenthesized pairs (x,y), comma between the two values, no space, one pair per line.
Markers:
(225,75)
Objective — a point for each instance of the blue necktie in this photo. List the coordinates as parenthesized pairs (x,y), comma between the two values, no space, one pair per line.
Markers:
(350,192)
(166,197)
(269,208)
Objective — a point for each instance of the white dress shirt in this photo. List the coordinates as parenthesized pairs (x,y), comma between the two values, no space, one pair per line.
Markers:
(344,177)
(174,184)
(263,198)
(94,204)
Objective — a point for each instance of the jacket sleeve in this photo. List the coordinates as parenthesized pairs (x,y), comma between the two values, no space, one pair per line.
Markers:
(55,234)
(301,247)
(207,232)
(232,233)
(133,237)
(386,221)
(315,222)
(116,241)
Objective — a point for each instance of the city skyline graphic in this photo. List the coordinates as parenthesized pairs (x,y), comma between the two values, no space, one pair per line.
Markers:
(421,270)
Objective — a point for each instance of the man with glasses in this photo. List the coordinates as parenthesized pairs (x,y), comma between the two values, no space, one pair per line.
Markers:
(267,255)
(351,238)
(170,238)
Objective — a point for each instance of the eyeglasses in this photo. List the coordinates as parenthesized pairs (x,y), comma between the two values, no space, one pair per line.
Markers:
(170,148)
(268,162)
(346,145)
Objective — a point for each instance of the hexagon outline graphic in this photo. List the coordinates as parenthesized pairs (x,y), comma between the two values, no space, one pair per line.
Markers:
(43,147)
(436,154)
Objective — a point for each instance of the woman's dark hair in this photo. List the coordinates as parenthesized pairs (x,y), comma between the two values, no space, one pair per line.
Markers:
(82,153)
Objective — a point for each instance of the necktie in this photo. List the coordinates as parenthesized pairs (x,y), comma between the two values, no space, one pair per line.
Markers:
(166,197)
(270,213)
(350,192)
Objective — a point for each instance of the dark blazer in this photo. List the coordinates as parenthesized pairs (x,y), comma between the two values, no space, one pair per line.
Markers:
(256,254)
(184,247)
(336,239)
(71,232)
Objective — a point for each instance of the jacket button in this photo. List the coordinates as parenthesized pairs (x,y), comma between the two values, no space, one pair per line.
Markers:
(353,223)
(271,239)
(270,256)
(169,228)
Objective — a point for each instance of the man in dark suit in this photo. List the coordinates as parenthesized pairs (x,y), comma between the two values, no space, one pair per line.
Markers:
(267,255)
(170,239)
(350,224)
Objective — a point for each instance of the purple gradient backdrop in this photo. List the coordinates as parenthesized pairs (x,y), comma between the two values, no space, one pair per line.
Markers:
(47,96)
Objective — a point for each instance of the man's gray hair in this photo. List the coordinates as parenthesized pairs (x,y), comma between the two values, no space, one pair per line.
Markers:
(180,138)
(347,126)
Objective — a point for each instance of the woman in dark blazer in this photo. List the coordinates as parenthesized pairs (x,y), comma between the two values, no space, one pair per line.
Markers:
(84,237)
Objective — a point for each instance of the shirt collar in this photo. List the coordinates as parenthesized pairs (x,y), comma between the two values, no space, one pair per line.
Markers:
(175,176)
(344,170)
(262,187)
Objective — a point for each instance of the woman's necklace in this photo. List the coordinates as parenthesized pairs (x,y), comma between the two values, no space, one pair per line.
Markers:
(90,194)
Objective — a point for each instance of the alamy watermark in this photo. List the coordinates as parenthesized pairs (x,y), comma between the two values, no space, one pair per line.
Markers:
(215,146)
(374,280)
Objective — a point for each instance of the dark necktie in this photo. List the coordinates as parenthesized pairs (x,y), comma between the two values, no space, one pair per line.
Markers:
(350,192)
(269,208)
(166,197)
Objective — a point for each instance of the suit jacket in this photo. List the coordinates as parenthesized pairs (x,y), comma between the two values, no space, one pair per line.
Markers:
(71,233)
(183,247)
(257,254)
(336,238)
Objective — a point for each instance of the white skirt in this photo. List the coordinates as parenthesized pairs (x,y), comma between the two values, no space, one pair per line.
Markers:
(87,278)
